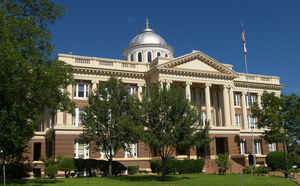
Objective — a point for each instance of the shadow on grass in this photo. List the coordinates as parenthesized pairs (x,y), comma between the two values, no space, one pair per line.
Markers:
(149,178)
(34,182)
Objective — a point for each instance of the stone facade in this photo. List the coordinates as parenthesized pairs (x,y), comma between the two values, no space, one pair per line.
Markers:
(215,88)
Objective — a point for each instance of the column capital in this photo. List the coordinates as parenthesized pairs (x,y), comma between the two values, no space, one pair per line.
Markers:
(141,84)
(188,83)
(94,81)
(228,86)
(244,92)
(208,84)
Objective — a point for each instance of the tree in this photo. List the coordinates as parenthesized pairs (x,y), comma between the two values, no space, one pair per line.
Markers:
(281,116)
(171,123)
(30,82)
(110,120)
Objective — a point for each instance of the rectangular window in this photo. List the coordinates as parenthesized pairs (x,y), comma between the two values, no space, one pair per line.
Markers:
(252,122)
(242,147)
(131,151)
(238,120)
(202,96)
(81,90)
(203,118)
(81,150)
(250,99)
(257,147)
(37,151)
(272,147)
(193,96)
(77,117)
(102,154)
(237,98)
(131,90)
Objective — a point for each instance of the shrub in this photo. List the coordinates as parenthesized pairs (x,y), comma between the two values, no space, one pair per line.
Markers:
(16,170)
(260,170)
(133,170)
(117,167)
(155,166)
(51,171)
(223,163)
(178,166)
(67,165)
(247,170)
(275,160)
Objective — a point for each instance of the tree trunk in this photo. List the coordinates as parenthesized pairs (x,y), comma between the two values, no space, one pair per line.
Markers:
(110,167)
(164,168)
(285,151)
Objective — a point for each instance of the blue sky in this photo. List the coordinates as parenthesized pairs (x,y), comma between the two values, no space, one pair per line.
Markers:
(103,28)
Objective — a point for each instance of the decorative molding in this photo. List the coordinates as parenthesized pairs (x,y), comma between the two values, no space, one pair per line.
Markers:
(257,85)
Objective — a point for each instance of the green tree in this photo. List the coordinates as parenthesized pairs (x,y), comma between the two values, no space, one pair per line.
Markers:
(171,123)
(30,82)
(281,115)
(110,120)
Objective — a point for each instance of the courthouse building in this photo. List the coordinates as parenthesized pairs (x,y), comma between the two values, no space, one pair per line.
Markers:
(214,87)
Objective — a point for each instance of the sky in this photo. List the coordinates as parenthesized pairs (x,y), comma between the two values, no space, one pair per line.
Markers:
(102,28)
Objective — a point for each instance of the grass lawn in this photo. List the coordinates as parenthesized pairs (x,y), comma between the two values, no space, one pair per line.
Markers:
(149,180)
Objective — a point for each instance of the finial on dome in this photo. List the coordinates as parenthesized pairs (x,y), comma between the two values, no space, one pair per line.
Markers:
(147,23)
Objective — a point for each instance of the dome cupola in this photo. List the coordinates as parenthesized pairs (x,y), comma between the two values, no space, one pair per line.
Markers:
(146,46)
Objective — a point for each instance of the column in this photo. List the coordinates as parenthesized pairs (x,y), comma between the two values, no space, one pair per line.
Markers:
(168,84)
(188,90)
(94,85)
(207,102)
(245,116)
(232,106)
(259,99)
(69,116)
(140,90)
(226,106)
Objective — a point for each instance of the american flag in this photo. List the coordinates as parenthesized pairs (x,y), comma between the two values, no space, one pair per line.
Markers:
(244,40)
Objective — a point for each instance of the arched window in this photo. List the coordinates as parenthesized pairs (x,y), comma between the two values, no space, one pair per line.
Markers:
(140,57)
(131,57)
(166,55)
(158,54)
(149,56)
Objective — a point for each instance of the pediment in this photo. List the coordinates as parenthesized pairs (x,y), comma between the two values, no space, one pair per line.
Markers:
(198,62)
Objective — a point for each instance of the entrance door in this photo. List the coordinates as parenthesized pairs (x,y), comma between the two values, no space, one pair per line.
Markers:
(221,145)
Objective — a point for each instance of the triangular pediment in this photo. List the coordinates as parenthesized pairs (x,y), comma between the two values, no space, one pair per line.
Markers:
(196,64)
(198,61)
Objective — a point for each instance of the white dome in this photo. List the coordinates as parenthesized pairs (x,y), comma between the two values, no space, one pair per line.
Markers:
(147,36)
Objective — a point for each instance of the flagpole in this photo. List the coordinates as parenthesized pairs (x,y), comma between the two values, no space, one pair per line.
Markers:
(247,99)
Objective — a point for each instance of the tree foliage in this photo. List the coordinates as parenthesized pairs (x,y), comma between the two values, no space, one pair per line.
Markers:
(110,120)
(171,122)
(279,114)
(30,82)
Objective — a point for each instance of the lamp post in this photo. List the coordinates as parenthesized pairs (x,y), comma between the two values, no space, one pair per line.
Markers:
(4,184)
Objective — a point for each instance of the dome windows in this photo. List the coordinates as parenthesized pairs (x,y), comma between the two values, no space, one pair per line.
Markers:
(166,55)
(131,57)
(158,54)
(140,58)
(149,56)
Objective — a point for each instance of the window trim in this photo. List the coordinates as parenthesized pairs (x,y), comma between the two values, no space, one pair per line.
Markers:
(85,91)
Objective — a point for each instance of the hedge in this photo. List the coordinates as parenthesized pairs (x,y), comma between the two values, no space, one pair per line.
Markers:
(133,170)
(178,166)
(102,165)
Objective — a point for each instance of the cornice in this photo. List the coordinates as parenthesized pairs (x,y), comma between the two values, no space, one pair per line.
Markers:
(109,72)
(257,85)
(195,73)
